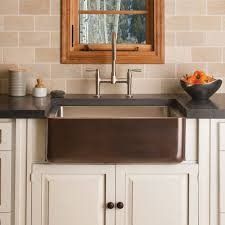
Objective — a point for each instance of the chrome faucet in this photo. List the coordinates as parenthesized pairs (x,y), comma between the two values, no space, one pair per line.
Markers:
(113,75)
(114,79)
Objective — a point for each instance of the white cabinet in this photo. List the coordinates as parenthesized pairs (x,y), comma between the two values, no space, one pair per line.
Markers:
(157,195)
(5,219)
(5,136)
(71,195)
(152,195)
(222,219)
(5,181)
(222,181)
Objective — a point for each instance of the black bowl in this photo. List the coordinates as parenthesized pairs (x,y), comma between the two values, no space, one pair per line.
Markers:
(201,92)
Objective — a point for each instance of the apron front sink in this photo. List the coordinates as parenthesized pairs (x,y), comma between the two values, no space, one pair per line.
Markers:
(115,134)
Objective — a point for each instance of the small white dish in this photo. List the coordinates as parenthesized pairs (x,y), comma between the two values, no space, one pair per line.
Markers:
(40,92)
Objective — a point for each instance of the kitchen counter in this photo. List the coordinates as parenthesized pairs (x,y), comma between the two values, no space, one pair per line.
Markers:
(29,107)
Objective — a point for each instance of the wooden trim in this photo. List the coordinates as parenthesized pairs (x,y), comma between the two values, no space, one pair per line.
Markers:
(124,12)
(120,47)
(73,55)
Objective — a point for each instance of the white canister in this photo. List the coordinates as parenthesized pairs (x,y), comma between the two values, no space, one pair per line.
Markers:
(17,82)
(40,92)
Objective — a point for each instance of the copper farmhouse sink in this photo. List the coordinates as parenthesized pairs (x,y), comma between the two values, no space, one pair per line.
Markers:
(115,134)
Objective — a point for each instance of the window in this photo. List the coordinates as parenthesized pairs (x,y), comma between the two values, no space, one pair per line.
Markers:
(87,27)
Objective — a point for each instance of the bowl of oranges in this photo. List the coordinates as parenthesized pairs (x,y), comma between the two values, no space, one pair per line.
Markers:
(200,86)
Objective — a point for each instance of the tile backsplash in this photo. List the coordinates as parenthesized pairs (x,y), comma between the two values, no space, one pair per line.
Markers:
(30,38)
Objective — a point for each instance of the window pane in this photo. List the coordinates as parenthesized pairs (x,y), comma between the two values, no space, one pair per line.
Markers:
(112,4)
(97,29)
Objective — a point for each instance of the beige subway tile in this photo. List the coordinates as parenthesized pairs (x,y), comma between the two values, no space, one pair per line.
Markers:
(122,70)
(206,23)
(1,23)
(215,38)
(80,86)
(105,70)
(171,86)
(216,7)
(55,39)
(37,70)
(178,23)
(206,54)
(190,38)
(217,69)
(1,55)
(19,23)
(118,89)
(178,54)
(190,7)
(8,7)
(4,70)
(47,55)
(223,22)
(47,23)
(160,71)
(189,68)
(147,86)
(66,71)
(170,39)
(170,7)
(34,39)
(8,39)
(3,86)
(88,70)
(30,83)
(58,84)
(222,88)
(35,7)
(18,55)
(55,7)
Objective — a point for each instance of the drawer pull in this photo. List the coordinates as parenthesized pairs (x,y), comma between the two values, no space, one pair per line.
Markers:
(120,205)
(110,205)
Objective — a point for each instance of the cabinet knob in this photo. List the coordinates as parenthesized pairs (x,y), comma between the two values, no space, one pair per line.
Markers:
(110,205)
(120,205)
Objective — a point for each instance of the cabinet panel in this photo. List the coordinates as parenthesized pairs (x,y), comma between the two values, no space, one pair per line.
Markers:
(5,136)
(73,195)
(221,136)
(5,219)
(222,219)
(5,181)
(154,195)
(222,181)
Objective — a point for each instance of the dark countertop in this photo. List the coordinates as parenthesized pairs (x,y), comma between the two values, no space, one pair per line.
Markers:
(29,107)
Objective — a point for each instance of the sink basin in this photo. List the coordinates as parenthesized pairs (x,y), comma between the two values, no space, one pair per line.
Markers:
(115,134)
(115,112)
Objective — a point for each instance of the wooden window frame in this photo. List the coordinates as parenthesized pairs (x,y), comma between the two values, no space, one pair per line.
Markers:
(99,54)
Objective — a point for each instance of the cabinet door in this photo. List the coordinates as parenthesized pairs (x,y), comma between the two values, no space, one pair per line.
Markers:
(222,182)
(157,195)
(5,219)
(73,195)
(222,219)
(5,136)
(5,181)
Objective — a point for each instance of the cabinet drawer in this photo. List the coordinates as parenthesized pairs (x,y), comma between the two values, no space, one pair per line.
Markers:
(5,219)
(222,136)
(222,219)
(222,182)
(5,136)
(5,181)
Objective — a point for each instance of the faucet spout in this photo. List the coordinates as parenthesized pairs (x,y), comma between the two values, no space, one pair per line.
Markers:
(113,75)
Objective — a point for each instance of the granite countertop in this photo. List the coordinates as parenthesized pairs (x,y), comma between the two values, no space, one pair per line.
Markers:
(29,107)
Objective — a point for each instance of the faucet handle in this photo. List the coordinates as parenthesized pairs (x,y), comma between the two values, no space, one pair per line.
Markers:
(92,70)
(135,70)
